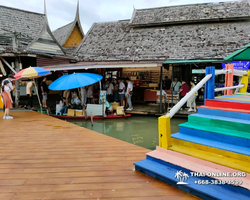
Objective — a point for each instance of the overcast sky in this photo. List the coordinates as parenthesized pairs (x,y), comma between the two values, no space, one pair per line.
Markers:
(62,12)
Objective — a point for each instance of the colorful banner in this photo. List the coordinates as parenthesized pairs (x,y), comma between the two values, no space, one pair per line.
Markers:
(103,95)
(241,65)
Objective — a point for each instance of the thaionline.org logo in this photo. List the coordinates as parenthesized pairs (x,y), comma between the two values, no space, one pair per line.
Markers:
(182,177)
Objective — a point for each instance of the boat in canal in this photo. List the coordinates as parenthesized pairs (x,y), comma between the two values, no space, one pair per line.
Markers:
(94,117)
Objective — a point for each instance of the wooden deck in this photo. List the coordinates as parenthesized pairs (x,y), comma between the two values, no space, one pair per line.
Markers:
(46,158)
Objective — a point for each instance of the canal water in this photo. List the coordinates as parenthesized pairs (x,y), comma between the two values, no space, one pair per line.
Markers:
(138,130)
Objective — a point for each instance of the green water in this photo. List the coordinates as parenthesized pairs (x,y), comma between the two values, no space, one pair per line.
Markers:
(138,130)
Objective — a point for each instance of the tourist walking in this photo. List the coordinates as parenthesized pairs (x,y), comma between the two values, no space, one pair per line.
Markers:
(191,102)
(121,92)
(175,86)
(29,93)
(44,91)
(9,79)
(129,93)
(8,102)
(183,91)
(110,90)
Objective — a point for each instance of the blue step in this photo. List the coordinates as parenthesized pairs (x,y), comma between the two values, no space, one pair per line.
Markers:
(212,143)
(165,172)
(224,138)
(222,113)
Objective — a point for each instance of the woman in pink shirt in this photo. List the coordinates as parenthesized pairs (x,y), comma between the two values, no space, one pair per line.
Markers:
(183,91)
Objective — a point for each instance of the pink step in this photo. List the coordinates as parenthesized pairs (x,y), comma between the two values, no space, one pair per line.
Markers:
(197,165)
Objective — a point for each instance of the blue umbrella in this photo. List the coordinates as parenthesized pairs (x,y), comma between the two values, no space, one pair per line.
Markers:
(76,80)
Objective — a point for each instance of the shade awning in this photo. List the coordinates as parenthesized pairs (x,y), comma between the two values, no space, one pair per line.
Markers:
(239,55)
(191,61)
(79,66)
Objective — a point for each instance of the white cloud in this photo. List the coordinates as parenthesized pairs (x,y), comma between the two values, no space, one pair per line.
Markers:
(61,12)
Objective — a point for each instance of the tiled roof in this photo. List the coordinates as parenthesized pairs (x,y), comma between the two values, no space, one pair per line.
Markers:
(191,13)
(26,25)
(30,30)
(119,41)
(61,34)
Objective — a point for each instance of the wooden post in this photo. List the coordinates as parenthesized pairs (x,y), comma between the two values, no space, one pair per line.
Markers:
(102,110)
(92,121)
(85,113)
(164,130)
(17,83)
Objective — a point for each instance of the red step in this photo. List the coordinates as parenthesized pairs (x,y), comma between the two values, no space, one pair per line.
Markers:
(226,109)
(227,104)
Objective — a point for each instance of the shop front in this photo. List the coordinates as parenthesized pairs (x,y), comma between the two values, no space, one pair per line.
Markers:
(149,79)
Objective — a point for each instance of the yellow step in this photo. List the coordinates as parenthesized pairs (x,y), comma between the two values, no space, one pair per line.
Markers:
(222,157)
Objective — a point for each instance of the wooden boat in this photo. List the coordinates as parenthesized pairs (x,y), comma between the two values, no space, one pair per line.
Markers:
(94,117)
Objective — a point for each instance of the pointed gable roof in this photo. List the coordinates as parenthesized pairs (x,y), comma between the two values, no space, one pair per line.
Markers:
(31,30)
(63,33)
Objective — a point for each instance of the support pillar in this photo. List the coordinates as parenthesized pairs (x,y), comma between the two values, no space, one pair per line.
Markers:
(229,79)
(164,129)
(17,83)
(161,92)
(209,85)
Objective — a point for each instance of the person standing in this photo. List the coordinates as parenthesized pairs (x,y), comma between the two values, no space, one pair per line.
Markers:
(137,88)
(5,92)
(84,95)
(175,86)
(191,102)
(44,91)
(9,79)
(110,91)
(66,95)
(183,91)
(90,93)
(167,83)
(121,92)
(29,94)
(129,93)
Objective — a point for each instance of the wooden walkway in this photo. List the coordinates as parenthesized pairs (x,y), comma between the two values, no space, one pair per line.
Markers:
(46,158)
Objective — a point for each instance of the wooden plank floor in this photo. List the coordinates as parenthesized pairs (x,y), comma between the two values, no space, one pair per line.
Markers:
(46,158)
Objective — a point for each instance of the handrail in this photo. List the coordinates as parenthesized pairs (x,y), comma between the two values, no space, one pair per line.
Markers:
(227,71)
(228,88)
(177,107)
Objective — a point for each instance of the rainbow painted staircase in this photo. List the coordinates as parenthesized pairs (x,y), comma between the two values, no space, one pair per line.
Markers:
(215,140)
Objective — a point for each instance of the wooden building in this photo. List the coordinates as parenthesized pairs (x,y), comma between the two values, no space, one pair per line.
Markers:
(27,40)
(152,36)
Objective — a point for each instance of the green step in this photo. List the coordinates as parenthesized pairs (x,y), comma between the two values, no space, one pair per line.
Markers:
(222,122)
(218,129)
